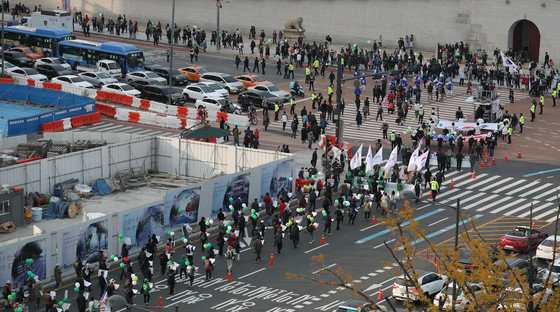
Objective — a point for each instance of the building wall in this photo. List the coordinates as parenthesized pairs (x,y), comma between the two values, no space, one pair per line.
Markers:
(483,23)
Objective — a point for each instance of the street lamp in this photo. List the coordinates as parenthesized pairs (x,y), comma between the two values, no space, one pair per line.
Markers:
(170,83)
(3,7)
(218,42)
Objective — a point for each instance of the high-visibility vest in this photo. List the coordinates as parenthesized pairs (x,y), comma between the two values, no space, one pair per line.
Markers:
(316,63)
(291,67)
(313,97)
(192,52)
(434,185)
(292,102)
(510,130)
(393,137)
(307,71)
(541,99)
(342,61)
(421,111)
(330,90)
(522,120)
(554,93)
(533,108)
(276,108)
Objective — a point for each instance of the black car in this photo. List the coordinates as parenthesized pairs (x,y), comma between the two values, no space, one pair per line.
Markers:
(466,261)
(150,65)
(138,85)
(52,70)
(256,98)
(161,94)
(177,78)
(18,59)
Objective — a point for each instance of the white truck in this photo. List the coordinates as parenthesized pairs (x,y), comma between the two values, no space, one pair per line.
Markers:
(109,67)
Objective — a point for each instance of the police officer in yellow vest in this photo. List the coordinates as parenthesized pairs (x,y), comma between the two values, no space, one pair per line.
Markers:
(533,109)
(291,70)
(510,132)
(192,55)
(393,139)
(330,93)
(313,100)
(292,105)
(521,122)
(316,66)
(434,186)
(554,94)
(307,74)
(421,114)
(276,111)
(541,103)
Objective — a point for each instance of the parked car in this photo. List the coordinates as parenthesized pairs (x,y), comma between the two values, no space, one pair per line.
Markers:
(18,59)
(72,80)
(52,70)
(430,284)
(121,87)
(223,105)
(52,60)
(28,52)
(98,79)
(139,85)
(251,80)
(256,98)
(193,72)
(466,259)
(147,76)
(518,240)
(227,81)
(444,298)
(272,89)
(162,94)
(177,79)
(150,65)
(553,273)
(199,91)
(29,73)
(517,264)
(545,249)
(8,65)
(216,87)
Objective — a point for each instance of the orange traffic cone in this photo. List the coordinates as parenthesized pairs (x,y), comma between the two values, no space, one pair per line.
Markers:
(427,255)
(533,224)
(229,275)
(473,176)
(373,220)
(519,154)
(414,251)
(431,195)
(451,186)
(481,164)
(493,160)
(437,268)
(323,239)
(160,303)
(271,258)
(380,297)
(505,158)
(435,258)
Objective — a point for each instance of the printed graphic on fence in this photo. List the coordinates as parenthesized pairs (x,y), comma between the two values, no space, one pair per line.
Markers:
(139,225)
(19,263)
(233,191)
(181,206)
(276,178)
(85,242)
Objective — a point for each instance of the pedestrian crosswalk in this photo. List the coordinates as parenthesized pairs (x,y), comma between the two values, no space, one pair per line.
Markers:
(108,127)
(370,130)
(497,194)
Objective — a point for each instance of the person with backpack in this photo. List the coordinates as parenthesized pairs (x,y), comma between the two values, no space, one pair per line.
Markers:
(229,257)
(146,288)
(339,218)
(278,240)
(328,223)
(207,268)
(183,267)
(190,273)
(294,235)
(189,248)
(311,230)
(78,267)
(258,248)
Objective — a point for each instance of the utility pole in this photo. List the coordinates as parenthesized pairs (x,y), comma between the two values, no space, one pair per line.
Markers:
(530,255)
(218,41)
(3,7)
(338,96)
(170,83)
(457,218)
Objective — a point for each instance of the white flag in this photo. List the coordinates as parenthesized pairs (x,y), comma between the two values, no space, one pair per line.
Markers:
(369,159)
(412,161)
(421,160)
(392,158)
(507,62)
(378,158)
(357,159)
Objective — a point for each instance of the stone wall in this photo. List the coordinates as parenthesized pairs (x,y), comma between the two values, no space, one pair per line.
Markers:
(482,23)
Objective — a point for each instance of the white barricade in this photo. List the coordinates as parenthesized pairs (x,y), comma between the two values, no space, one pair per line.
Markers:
(67,123)
(171,110)
(136,102)
(19,80)
(157,107)
(121,114)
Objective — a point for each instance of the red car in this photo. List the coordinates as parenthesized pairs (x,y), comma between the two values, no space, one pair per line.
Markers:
(517,240)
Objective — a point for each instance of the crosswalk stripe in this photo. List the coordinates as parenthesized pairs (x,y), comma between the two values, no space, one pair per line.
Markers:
(483,182)
(482,175)
(521,208)
(537,209)
(445,194)
(520,189)
(545,193)
(536,189)
(463,176)
(506,206)
(509,186)
(477,203)
(499,201)
(450,199)
(505,180)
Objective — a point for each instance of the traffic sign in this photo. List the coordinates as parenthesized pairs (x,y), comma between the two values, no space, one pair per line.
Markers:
(218,4)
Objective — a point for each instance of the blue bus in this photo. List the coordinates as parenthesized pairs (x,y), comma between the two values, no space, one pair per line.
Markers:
(83,52)
(42,39)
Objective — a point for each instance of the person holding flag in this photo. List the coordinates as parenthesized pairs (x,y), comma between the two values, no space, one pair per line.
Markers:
(356,160)
(371,160)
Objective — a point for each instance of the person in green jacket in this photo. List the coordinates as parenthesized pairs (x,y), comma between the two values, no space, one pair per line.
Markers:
(399,187)
(146,288)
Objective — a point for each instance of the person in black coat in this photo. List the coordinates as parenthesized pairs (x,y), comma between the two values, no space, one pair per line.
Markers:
(81,301)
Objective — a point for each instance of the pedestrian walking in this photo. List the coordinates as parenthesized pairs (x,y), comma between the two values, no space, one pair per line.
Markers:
(57,276)
(279,240)
(294,235)
(207,268)
(146,289)
(258,248)
(229,257)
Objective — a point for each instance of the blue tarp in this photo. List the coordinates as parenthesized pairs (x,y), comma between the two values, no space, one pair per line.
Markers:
(55,210)
(100,187)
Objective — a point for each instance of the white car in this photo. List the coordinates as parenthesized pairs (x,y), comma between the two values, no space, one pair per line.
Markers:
(554,274)
(216,87)
(29,73)
(9,66)
(462,300)
(544,251)
(200,91)
(122,88)
(72,80)
(98,79)
(217,104)
(52,60)
(272,89)
(147,76)
(430,283)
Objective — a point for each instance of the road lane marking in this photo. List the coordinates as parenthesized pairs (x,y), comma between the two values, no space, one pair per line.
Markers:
(312,249)
(330,266)
(434,223)
(255,272)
